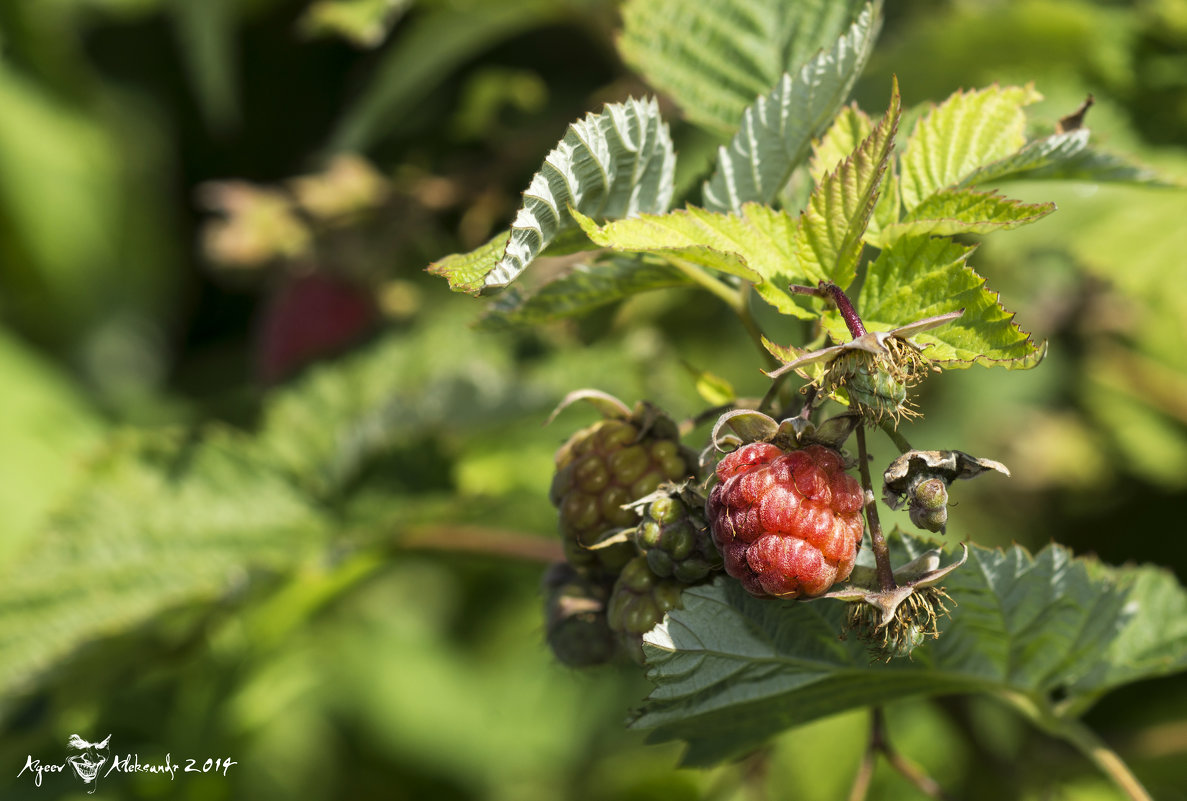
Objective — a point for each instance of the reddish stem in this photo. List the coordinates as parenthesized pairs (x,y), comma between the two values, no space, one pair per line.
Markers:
(845,307)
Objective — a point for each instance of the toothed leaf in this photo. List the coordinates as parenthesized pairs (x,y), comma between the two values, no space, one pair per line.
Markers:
(579,291)
(730,671)
(829,235)
(754,245)
(966,132)
(963,211)
(778,128)
(919,277)
(610,165)
(714,59)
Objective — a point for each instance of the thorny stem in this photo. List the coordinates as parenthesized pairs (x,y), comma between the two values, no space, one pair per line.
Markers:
(898,439)
(883,569)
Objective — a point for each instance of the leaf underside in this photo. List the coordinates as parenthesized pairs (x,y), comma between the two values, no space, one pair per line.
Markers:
(777,129)
(730,671)
(614,164)
(714,59)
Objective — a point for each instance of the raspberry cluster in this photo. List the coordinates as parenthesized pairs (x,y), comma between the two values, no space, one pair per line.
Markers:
(788,523)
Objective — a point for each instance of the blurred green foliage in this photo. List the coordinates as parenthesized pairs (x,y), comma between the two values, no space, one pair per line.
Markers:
(147,585)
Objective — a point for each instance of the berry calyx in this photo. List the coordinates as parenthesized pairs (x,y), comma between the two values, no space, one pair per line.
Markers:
(788,523)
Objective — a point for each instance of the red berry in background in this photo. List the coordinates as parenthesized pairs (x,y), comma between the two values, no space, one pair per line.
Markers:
(310,317)
(788,523)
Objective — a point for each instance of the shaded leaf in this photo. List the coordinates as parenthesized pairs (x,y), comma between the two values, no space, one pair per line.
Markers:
(922,276)
(584,288)
(730,671)
(777,129)
(619,163)
(714,59)
(963,134)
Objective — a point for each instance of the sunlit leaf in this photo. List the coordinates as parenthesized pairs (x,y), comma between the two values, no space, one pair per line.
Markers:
(714,59)
(777,129)
(963,134)
(949,212)
(618,163)
(919,277)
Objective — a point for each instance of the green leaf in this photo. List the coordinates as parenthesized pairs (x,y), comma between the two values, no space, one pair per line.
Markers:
(754,245)
(712,388)
(432,45)
(849,128)
(714,59)
(918,277)
(1065,156)
(730,671)
(963,134)
(963,211)
(615,164)
(777,129)
(584,288)
(829,235)
(363,23)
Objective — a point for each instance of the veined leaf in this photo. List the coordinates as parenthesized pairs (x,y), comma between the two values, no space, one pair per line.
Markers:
(963,211)
(615,164)
(584,288)
(829,235)
(777,129)
(918,277)
(848,129)
(1064,156)
(963,134)
(755,245)
(730,671)
(714,59)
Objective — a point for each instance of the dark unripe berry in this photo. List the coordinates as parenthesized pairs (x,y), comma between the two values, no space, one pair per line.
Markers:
(575,618)
(788,524)
(638,602)
(600,469)
(675,538)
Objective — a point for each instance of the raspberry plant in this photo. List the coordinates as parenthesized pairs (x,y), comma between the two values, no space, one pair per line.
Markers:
(856,228)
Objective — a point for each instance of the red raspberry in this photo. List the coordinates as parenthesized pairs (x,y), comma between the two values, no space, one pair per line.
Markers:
(788,523)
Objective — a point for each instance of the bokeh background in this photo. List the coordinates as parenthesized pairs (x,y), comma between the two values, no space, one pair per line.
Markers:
(267,494)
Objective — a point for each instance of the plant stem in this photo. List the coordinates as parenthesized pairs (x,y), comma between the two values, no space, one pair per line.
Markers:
(898,439)
(845,307)
(1083,738)
(884,571)
(1105,758)
(737,299)
(484,541)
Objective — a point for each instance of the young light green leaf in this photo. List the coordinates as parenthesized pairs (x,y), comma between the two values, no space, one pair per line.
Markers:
(584,288)
(829,235)
(918,276)
(949,212)
(1064,156)
(712,388)
(849,128)
(713,59)
(777,129)
(730,671)
(963,134)
(754,245)
(615,164)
